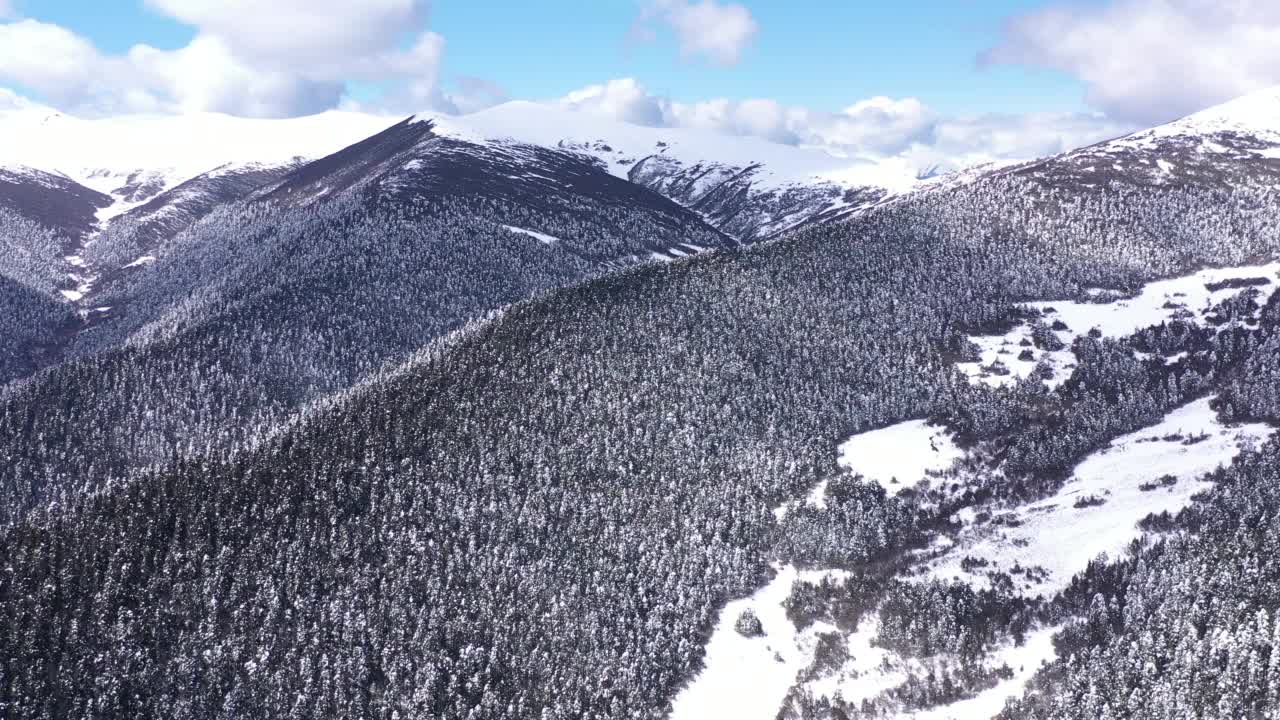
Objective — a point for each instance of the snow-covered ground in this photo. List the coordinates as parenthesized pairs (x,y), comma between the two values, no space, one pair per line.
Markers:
(869,671)
(675,252)
(1098,509)
(141,261)
(900,456)
(540,237)
(1156,469)
(1158,302)
(1188,297)
(747,678)
(1256,114)
(897,457)
(83,276)
(1024,660)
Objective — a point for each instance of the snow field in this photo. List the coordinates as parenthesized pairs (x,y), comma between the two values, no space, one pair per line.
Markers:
(1188,297)
(748,678)
(1098,509)
(900,456)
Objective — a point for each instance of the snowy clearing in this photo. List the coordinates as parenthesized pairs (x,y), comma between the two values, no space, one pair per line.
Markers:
(900,456)
(1041,545)
(1007,358)
(1098,509)
(747,678)
(1160,301)
(866,674)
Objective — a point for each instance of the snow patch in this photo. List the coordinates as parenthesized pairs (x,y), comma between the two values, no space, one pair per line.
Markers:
(900,456)
(1007,358)
(1098,509)
(1025,660)
(747,678)
(540,237)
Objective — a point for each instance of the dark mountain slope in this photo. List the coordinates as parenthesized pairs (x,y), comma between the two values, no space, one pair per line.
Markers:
(409,161)
(33,328)
(260,306)
(34,317)
(141,231)
(52,200)
(406,167)
(287,305)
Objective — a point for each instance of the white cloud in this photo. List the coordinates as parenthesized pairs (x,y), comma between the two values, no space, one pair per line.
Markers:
(72,74)
(313,37)
(473,93)
(704,29)
(10,100)
(206,76)
(886,124)
(288,57)
(1152,60)
(964,141)
(876,128)
(622,99)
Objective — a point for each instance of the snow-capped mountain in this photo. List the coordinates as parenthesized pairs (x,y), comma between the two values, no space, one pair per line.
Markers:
(51,199)
(750,188)
(414,159)
(386,432)
(132,159)
(1229,144)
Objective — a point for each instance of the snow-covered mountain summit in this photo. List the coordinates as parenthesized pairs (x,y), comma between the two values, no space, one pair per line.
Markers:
(134,158)
(622,146)
(1228,144)
(1256,114)
(749,187)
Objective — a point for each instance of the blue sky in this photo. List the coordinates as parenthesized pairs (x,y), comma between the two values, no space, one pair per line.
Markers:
(816,53)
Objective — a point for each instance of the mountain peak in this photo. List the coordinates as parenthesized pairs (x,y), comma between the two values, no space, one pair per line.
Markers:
(1255,113)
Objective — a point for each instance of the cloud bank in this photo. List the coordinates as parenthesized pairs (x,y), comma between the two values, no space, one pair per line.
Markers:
(277,59)
(877,127)
(1150,61)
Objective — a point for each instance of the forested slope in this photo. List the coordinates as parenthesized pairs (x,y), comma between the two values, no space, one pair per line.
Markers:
(541,516)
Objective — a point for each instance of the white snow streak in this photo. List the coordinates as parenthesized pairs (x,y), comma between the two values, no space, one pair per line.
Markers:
(540,237)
